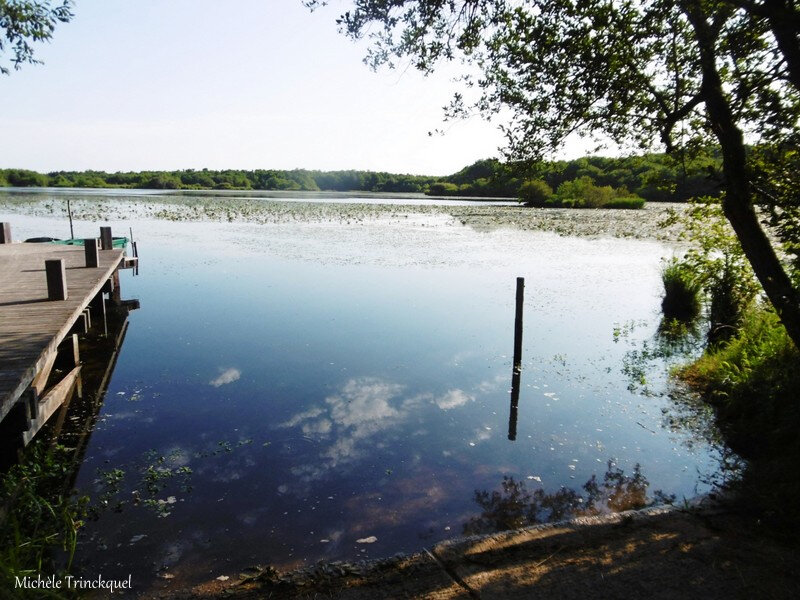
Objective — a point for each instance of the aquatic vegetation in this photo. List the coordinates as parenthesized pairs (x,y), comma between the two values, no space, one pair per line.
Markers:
(39,519)
(682,291)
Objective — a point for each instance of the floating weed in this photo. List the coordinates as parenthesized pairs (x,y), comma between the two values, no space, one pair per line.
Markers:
(154,476)
(624,331)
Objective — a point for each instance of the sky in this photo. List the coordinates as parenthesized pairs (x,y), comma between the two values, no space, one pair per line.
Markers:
(133,85)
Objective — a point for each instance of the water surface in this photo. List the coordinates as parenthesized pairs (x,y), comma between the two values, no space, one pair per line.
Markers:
(303,391)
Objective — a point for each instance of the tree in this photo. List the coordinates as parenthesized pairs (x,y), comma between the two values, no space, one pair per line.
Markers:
(679,73)
(535,192)
(23,23)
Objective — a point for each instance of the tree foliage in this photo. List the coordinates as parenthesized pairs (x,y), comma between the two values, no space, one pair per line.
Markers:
(24,23)
(681,74)
(535,192)
(229,179)
(653,177)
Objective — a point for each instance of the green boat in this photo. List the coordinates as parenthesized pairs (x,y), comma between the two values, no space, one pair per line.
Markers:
(117,242)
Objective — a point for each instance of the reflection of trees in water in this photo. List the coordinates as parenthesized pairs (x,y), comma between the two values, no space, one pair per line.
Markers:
(674,344)
(515,506)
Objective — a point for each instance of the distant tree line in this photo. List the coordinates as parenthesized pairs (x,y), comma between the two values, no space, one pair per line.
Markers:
(652,177)
(207,179)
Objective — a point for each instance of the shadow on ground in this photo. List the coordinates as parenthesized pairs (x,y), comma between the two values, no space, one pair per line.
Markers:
(657,553)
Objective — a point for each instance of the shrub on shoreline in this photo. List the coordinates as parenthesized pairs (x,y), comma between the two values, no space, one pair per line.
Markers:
(681,291)
(753,382)
(577,193)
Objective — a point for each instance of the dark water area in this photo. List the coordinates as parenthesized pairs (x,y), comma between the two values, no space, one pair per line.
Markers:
(291,393)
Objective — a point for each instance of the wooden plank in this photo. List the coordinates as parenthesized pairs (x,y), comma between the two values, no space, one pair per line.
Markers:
(130,262)
(50,403)
(41,378)
(31,328)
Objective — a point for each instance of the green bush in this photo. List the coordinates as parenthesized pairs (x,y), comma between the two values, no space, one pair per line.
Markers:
(535,192)
(682,291)
(753,380)
(730,298)
(582,192)
(25,178)
(443,189)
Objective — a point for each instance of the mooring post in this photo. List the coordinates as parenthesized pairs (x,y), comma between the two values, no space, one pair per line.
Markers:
(105,237)
(56,279)
(516,370)
(518,324)
(512,413)
(5,233)
(92,252)
(69,212)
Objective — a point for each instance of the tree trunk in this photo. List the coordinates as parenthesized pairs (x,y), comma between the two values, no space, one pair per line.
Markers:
(783,21)
(737,204)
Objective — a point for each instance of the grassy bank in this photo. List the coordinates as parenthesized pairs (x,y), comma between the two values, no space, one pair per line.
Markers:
(753,381)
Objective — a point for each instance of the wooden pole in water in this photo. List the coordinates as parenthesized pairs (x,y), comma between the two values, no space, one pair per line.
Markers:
(5,233)
(69,212)
(517,368)
(56,279)
(512,414)
(518,324)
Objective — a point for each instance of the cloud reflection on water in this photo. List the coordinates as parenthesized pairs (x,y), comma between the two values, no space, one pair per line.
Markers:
(348,421)
(453,399)
(227,376)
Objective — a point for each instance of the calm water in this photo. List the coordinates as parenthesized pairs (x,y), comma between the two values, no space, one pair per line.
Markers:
(289,393)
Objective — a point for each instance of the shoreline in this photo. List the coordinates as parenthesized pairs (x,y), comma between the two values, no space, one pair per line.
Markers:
(702,549)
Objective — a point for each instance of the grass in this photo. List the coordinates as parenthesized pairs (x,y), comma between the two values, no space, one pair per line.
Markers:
(682,292)
(753,381)
(39,521)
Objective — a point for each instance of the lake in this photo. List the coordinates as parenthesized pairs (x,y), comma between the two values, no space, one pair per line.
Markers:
(292,391)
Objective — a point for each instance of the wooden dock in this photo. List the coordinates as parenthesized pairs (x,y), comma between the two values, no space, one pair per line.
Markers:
(32,327)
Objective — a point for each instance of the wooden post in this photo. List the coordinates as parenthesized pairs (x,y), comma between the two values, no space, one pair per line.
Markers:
(76,362)
(517,367)
(75,351)
(98,305)
(92,253)
(69,212)
(32,399)
(518,324)
(512,415)
(106,240)
(5,233)
(116,293)
(56,279)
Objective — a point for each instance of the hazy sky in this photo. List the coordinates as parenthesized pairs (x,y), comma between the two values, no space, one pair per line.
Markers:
(148,84)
